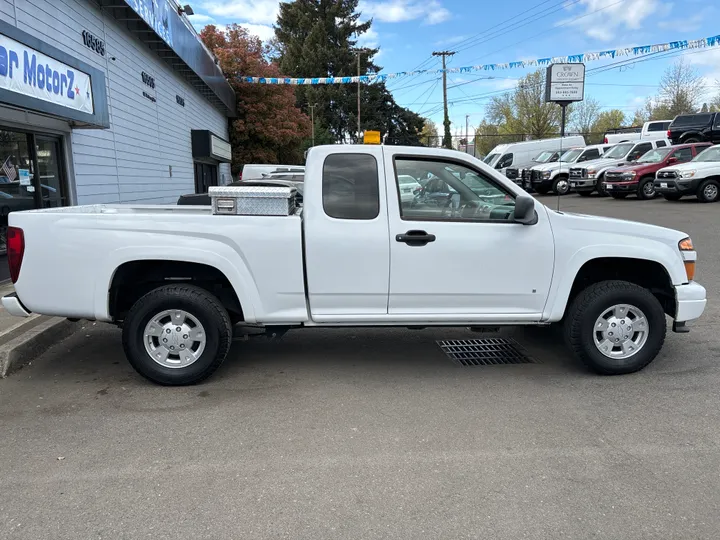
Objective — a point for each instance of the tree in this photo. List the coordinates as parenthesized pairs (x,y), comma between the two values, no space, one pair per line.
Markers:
(585,115)
(525,111)
(488,136)
(608,120)
(641,116)
(269,128)
(320,38)
(429,133)
(681,88)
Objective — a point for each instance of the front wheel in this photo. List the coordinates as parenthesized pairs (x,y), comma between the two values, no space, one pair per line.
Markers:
(561,186)
(646,189)
(709,191)
(615,327)
(177,335)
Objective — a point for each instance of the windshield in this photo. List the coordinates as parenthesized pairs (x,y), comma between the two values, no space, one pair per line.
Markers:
(655,156)
(489,159)
(571,155)
(711,154)
(543,157)
(618,151)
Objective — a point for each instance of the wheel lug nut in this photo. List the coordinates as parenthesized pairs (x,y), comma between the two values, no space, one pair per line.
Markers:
(185,336)
(167,331)
(164,340)
(172,348)
(178,329)
(613,325)
(182,345)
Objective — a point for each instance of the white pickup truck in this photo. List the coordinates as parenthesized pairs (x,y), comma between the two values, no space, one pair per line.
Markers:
(483,253)
(653,130)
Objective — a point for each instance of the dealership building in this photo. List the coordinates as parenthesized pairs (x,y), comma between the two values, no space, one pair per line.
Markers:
(107,101)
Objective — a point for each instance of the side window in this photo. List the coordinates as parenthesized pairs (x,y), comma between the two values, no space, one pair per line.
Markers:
(658,126)
(593,153)
(350,186)
(683,154)
(717,121)
(638,151)
(660,144)
(453,192)
(504,161)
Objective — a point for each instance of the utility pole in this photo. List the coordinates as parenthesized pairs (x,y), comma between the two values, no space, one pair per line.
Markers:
(467,136)
(312,119)
(358,52)
(447,137)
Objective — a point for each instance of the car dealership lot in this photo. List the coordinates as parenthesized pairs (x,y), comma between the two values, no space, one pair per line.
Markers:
(374,433)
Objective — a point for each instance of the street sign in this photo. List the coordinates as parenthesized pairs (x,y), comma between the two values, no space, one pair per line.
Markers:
(565,83)
(372,137)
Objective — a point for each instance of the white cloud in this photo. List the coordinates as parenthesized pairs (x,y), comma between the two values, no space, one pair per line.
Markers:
(263,31)
(603,19)
(370,39)
(199,20)
(252,11)
(393,11)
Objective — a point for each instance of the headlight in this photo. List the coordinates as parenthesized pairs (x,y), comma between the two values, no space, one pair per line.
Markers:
(629,175)
(686,245)
(591,173)
(688,174)
(546,174)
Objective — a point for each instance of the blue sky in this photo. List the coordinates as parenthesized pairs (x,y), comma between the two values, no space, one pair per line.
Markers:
(407,31)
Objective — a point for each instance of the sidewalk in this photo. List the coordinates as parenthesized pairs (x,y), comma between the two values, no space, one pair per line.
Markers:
(24,339)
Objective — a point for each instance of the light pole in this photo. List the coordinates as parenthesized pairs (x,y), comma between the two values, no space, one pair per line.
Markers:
(467,136)
(312,120)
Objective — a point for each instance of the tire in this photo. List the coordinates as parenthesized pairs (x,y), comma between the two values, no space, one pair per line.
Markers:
(584,193)
(671,196)
(690,140)
(709,191)
(561,186)
(542,190)
(646,189)
(595,302)
(601,191)
(618,195)
(195,305)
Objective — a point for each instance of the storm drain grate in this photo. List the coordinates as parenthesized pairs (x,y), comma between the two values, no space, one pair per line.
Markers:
(485,352)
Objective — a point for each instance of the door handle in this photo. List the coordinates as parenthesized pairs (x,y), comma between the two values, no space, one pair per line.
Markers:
(415,238)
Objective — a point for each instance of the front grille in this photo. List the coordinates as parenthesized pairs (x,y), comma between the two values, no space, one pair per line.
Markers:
(535,175)
(526,174)
(613,176)
(512,174)
(667,174)
(578,173)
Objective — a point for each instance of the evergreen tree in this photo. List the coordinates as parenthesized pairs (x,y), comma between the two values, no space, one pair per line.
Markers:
(320,38)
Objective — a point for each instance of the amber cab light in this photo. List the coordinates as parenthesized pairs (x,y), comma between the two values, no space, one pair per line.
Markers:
(686,245)
(15,251)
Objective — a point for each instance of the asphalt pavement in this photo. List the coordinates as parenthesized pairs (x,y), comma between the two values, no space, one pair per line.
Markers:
(374,433)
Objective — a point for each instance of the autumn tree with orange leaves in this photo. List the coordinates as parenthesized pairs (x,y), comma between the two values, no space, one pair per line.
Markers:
(269,128)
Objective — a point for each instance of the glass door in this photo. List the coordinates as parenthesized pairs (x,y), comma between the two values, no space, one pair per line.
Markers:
(205,176)
(49,181)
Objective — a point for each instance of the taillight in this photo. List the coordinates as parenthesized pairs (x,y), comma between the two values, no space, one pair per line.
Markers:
(668,134)
(605,141)
(15,251)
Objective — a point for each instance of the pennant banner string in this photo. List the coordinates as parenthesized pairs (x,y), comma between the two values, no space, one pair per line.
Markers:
(573,58)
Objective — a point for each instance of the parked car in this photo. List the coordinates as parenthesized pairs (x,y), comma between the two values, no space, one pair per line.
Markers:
(700,177)
(255,172)
(639,177)
(590,177)
(176,278)
(408,187)
(521,154)
(655,129)
(690,128)
(555,176)
(516,174)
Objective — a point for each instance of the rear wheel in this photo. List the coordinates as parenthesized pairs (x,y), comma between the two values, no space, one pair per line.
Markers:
(177,335)
(600,189)
(615,327)
(561,186)
(691,140)
(618,195)
(646,188)
(709,191)
(671,196)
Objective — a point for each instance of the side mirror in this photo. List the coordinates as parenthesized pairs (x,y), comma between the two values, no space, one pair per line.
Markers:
(672,160)
(525,210)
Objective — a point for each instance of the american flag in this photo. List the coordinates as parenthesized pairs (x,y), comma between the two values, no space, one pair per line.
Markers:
(9,170)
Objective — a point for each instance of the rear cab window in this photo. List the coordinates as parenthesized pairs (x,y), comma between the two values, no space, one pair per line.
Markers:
(692,120)
(350,186)
(658,126)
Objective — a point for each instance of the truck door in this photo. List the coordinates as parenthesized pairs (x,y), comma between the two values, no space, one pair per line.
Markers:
(463,258)
(347,253)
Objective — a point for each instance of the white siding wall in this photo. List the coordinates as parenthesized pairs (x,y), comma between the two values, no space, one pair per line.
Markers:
(131,161)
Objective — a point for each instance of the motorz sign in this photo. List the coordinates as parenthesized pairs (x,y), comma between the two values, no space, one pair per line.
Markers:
(565,82)
(28,72)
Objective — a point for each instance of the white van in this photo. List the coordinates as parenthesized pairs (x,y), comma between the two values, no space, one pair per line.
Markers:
(521,154)
(258,172)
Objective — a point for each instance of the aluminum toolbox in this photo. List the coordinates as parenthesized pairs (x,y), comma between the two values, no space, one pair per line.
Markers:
(253,200)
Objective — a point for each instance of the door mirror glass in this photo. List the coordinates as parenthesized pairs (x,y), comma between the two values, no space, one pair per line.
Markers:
(525,210)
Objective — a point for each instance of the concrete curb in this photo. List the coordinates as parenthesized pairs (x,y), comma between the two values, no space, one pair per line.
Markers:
(33,342)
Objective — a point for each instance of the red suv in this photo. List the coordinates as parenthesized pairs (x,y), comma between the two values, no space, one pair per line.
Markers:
(638,177)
